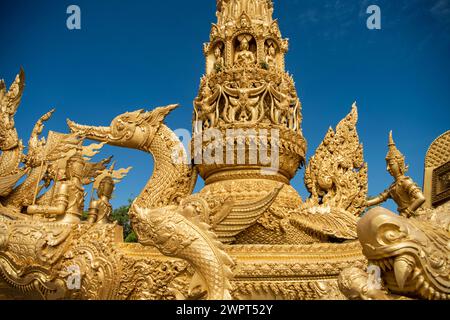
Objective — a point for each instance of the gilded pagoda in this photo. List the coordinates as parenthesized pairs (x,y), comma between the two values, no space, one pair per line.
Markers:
(247,234)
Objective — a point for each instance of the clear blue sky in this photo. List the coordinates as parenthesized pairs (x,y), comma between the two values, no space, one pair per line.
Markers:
(140,54)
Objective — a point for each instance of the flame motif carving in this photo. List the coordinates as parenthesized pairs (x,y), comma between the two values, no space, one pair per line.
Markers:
(336,175)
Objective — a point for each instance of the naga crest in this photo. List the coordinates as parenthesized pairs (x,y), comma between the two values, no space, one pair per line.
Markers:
(413,254)
(9,102)
(134,130)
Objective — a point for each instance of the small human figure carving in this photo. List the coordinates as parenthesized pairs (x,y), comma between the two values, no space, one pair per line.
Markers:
(245,57)
(59,176)
(100,210)
(355,283)
(214,32)
(245,106)
(218,56)
(284,112)
(403,191)
(68,202)
(260,8)
(245,21)
(206,104)
(252,7)
(271,59)
(235,8)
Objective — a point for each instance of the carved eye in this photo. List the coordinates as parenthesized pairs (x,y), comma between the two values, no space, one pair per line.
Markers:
(120,126)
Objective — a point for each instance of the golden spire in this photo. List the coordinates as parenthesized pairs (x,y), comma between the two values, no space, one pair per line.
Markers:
(394,153)
(231,11)
(246,87)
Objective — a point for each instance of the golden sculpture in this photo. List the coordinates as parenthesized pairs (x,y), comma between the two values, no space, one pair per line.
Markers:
(245,57)
(69,199)
(411,250)
(413,254)
(355,285)
(176,236)
(247,234)
(403,191)
(336,177)
(436,181)
(100,210)
(220,61)
(271,56)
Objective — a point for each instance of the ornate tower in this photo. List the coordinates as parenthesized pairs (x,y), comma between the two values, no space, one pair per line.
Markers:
(247,121)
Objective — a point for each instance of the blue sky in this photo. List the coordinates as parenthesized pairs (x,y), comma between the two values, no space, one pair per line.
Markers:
(141,54)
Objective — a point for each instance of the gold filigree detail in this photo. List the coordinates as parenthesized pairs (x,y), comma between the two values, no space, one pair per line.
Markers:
(413,254)
(336,175)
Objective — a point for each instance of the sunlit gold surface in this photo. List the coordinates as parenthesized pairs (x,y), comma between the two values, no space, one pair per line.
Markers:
(247,234)
(403,191)
(411,250)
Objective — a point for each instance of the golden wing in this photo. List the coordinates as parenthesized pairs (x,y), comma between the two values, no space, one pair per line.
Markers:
(232,218)
(92,150)
(253,101)
(336,224)
(234,101)
(7,183)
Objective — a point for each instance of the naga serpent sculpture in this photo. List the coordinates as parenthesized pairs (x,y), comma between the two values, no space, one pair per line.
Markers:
(156,214)
(145,131)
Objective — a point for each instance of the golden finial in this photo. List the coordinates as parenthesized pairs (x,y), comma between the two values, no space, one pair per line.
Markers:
(395,154)
(111,169)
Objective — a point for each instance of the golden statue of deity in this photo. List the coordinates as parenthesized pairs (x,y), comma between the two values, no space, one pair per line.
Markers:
(68,203)
(271,59)
(245,57)
(100,210)
(247,234)
(219,62)
(403,191)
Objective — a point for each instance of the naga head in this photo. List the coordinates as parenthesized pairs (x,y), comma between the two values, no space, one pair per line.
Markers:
(413,255)
(134,130)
